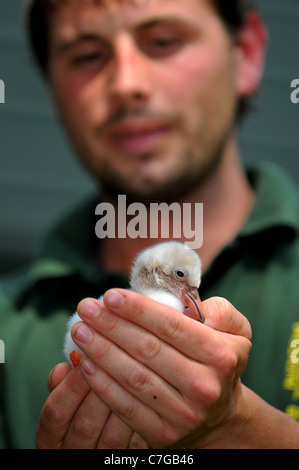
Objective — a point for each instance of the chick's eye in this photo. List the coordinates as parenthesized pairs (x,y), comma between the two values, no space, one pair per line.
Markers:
(180,274)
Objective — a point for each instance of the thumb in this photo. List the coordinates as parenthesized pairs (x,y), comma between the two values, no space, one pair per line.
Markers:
(221,315)
(57,374)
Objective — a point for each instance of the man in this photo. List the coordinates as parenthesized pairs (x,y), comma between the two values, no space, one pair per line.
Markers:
(149,93)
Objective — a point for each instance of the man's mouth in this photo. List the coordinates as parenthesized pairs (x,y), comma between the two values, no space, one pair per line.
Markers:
(137,138)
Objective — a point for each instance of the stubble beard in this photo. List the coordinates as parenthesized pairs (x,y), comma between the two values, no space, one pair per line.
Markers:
(173,190)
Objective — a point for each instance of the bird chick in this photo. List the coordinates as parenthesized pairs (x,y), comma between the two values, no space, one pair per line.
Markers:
(168,272)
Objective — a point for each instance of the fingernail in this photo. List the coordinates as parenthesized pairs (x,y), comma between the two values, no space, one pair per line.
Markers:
(114,299)
(89,309)
(83,334)
(88,366)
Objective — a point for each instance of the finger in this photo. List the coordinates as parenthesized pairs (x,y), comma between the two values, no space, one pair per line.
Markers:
(138,315)
(87,425)
(192,341)
(59,410)
(128,395)
(115,435)
(128,408)
(141,347)
(140,381)
(223,316)
(57,374)
(137,442)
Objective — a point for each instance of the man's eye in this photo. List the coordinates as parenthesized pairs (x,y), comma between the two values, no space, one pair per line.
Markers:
(165,42)
(161,46)
(90,58)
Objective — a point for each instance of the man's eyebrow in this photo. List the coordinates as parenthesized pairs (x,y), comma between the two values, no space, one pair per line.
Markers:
(167,20)
(63,45)
(171,23)
(160,20)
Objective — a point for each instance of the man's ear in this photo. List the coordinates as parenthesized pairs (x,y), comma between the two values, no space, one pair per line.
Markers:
(251,45)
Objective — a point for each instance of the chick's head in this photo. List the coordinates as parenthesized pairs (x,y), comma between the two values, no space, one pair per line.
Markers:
(170,265)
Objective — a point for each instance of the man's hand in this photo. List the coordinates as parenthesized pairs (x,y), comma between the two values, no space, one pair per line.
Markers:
(173,380)
(73,417)
(156,373)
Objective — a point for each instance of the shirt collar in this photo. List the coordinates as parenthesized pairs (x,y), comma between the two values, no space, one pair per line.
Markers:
(276,204)
(272,222)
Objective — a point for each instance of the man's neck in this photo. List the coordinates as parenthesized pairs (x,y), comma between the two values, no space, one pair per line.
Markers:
(227,201)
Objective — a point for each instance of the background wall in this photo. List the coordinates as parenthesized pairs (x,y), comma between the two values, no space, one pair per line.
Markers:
(39,177)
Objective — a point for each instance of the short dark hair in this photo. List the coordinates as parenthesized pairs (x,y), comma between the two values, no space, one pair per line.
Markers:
(232,12)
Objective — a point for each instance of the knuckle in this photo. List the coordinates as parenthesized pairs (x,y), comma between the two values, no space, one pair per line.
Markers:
(212,393)
(138,379)
(245,346)
(148,347)
(110,441)
(108,321)
(82,427)
(206,390)
(167,436)
(114,439)
(170,327)
(53,414)
(188,418)
(104,351)
(103,389)
(195,386)
(138,304)
(75,388)
(228,361)
(137,442)
(126,410)
(51,422)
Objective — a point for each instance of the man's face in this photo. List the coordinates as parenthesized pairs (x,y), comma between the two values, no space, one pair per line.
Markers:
(146,90)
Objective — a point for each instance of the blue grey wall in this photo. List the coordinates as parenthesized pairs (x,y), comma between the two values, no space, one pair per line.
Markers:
(39,177)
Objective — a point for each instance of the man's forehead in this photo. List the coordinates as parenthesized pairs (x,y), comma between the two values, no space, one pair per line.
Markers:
(112,6)
(74,15)
(108,3)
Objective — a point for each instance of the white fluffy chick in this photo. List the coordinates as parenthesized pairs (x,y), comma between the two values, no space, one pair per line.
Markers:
(168,272)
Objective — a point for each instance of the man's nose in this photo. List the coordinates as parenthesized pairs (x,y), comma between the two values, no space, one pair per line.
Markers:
(130,79)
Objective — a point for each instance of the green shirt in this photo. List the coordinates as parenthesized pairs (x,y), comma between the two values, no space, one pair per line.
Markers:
(258,272)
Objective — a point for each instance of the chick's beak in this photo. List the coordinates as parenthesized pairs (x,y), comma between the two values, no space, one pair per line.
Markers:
(191,299)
